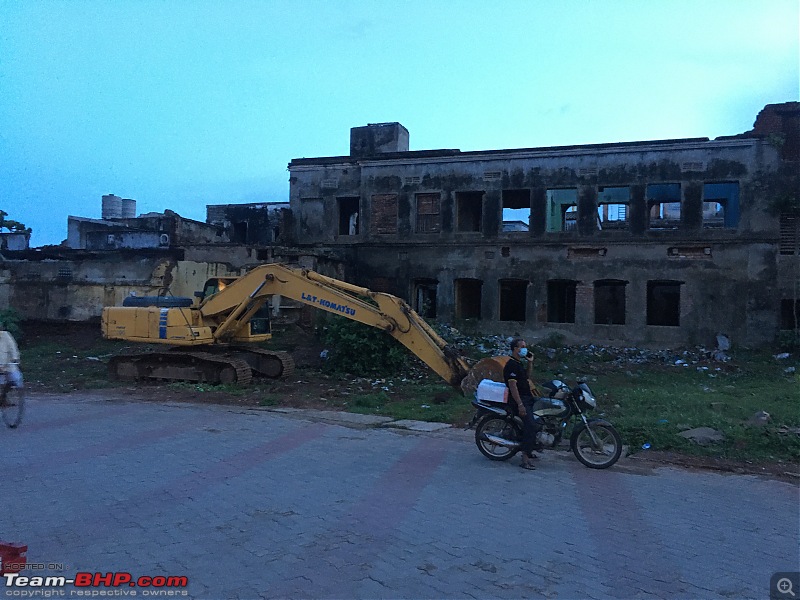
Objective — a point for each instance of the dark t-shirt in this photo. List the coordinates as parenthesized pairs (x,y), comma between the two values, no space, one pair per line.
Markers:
(515,370)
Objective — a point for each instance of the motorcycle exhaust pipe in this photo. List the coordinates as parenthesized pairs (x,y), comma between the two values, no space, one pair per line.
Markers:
(498,441)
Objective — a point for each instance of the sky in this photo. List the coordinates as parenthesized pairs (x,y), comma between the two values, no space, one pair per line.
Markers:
(179,104)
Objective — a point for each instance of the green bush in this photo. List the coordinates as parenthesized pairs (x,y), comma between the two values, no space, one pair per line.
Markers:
(9,320)
(789,341)
(361,350)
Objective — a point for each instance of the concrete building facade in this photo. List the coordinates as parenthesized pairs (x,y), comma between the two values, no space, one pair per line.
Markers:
(662,242)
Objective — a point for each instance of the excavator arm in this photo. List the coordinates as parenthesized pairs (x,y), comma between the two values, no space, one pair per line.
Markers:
(241,298)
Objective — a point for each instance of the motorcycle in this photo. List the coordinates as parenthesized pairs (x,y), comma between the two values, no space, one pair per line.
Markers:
(498,434)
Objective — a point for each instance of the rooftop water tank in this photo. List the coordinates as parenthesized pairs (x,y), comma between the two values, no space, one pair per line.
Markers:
(112,207)
(128,208)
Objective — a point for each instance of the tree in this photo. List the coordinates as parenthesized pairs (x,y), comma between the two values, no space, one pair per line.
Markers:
(11,225)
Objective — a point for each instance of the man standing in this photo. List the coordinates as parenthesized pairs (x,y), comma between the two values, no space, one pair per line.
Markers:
(516,379)
(9,359)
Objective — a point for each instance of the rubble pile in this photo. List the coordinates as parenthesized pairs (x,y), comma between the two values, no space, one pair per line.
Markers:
(495,345)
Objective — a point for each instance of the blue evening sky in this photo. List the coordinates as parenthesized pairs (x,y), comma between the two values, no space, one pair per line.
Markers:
(180,103)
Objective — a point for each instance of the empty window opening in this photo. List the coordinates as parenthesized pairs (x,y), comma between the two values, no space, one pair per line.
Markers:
(664,205)
(240,232)
(516,210)
(721,205)
(384,214)
(790,314)
(424,295)
(348,216)
(513,297)
(562,210)
(609,302)
(664,303)
(468,298)
(612,207)
(469,211)
(561,301)
(428,219)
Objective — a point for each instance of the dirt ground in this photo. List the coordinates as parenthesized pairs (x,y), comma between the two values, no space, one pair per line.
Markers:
(310,388)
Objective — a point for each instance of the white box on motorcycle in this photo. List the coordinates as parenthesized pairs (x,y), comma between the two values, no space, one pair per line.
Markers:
(492,391)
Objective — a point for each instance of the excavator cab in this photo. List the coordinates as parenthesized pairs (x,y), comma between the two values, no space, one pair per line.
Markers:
(259,323)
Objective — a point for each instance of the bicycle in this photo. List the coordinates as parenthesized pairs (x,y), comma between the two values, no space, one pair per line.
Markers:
(12,402)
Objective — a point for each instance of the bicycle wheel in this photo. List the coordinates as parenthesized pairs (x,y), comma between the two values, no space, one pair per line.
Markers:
(12,406)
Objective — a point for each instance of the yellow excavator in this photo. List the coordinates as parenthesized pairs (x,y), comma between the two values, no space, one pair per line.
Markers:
(212,337)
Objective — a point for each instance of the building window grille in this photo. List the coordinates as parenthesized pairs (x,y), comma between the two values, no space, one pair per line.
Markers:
(789,232)
(428,218)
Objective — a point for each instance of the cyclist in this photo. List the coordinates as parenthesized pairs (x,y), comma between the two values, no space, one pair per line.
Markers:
(9,360)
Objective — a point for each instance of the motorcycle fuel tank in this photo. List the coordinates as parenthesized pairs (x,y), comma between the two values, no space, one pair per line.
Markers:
(550,407)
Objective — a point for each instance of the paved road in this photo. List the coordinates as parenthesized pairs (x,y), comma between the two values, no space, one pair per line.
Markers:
(255,504)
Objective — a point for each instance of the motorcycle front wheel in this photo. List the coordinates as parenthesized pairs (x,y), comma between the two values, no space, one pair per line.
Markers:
(496,428)
(598,453)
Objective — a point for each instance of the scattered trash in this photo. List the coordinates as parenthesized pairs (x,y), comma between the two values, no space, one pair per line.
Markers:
(424,406)
(723,343)
(703,435)
(323,355)
(789,370)
(759,419)
(92,358)
(646,446)
(662,421)
(782,355)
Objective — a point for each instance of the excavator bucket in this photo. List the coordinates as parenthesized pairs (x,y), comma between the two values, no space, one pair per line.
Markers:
(485,368)
(492,369)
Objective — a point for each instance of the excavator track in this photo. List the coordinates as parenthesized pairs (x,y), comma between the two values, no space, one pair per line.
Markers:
(181,366)
(265,363)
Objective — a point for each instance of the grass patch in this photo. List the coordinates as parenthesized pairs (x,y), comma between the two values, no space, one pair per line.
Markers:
(652,404)
(56,366)
(427,401)
(228,389)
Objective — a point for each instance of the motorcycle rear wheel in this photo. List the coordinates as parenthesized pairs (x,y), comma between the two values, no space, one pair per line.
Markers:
(497,427)
(607,451)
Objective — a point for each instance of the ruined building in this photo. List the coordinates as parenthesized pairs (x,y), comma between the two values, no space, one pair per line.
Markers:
(664,242)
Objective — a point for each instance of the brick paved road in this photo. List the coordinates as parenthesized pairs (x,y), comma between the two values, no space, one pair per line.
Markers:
(254,504)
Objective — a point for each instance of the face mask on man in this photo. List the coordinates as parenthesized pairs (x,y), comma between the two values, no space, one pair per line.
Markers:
(523,352)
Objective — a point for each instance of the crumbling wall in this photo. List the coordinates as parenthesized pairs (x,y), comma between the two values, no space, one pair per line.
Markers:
(679,227)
